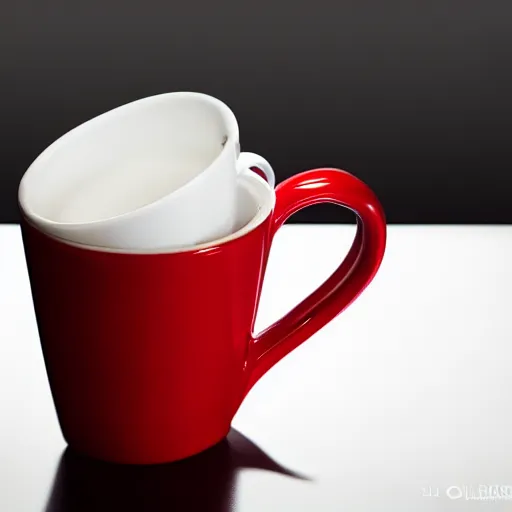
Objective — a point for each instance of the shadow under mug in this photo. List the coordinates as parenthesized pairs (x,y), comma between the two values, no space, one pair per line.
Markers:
(149,356)
(204,483)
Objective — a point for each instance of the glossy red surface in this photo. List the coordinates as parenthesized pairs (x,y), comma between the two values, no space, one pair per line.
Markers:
(150,356)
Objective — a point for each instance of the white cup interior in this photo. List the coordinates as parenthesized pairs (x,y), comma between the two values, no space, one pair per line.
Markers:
(255,201)
(126,158)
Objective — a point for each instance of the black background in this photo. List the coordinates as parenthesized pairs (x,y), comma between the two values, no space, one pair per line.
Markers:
(413,97)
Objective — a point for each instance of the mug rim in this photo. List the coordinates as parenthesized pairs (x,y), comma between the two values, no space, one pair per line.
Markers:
(77,131)
(260,190)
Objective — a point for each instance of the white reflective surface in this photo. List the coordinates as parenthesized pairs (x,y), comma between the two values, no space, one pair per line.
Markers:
(402,403)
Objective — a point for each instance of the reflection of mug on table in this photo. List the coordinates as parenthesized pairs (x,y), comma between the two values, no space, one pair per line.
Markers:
(204,483)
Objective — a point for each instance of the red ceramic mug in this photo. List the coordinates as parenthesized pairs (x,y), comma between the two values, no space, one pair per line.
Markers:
(149,356)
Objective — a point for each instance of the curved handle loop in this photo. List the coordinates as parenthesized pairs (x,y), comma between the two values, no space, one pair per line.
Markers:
(346,283)
(247,161)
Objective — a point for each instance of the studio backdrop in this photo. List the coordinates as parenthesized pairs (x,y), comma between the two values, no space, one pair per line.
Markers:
(415,98)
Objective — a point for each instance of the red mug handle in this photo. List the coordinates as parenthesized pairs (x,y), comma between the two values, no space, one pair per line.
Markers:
(348,281)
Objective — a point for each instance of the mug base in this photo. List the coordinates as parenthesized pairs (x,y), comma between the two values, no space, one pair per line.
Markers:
(131,459)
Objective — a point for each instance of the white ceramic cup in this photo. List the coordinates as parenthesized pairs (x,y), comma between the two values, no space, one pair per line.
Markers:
(255,200)
(158,172)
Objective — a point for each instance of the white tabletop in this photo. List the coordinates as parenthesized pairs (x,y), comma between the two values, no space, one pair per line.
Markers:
(402,403)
